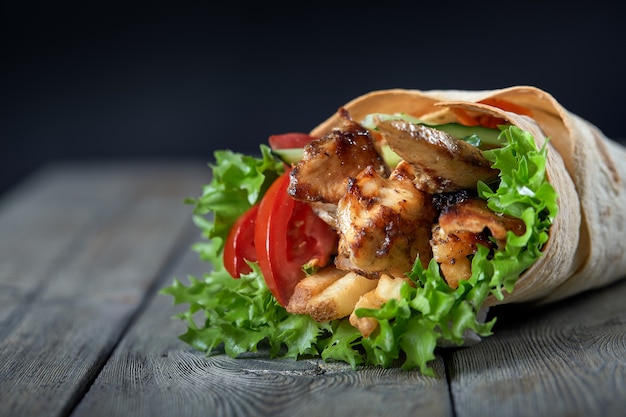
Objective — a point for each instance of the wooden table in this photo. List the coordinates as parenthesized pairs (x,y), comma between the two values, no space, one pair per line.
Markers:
(85,248)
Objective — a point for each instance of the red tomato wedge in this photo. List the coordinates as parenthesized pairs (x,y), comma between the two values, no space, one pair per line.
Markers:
(288,235)
(239,244)
(289,140)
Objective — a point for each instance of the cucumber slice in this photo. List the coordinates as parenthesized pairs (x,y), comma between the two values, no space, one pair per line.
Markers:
(487,136)
(389,156)
(290,155)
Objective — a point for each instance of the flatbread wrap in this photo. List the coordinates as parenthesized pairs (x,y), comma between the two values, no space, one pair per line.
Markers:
(400,221)
(586,249)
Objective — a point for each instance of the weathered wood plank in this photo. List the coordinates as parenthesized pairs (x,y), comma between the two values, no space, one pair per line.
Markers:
(83,245)
(563,359)
(153,374)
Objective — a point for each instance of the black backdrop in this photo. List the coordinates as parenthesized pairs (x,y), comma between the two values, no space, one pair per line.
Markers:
(102,80)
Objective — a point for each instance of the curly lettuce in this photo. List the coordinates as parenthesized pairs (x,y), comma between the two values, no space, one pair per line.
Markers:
(240,315)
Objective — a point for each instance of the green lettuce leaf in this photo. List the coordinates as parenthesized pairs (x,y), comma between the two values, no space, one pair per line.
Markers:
(238,182)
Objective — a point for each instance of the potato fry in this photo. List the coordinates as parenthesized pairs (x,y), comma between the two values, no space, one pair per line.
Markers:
(340,297)
(310,286)
(366,325)
(332,293)
(386,289)
(389,287)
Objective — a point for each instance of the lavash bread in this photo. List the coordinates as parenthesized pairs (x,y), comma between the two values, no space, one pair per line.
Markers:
(587,243)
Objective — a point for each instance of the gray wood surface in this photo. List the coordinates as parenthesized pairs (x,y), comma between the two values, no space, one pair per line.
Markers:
(80,248)
(84,249)
(565,359)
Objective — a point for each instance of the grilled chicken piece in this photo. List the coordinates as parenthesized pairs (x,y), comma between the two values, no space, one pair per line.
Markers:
(452,251)
(383,224)
(441,162)
(464,225)
(322,174)
(473,215)
(321,177)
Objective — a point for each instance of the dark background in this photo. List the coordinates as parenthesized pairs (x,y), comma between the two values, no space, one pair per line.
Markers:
(100,80)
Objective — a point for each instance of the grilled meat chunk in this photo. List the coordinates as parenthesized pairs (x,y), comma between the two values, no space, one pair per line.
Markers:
(453,250)
(473,215)
(464,225)
(383,224)
(328,162)
(441,162)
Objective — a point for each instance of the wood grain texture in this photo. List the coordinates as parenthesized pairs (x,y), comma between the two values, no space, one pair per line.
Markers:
(84,244)
(563,359)
(153,374)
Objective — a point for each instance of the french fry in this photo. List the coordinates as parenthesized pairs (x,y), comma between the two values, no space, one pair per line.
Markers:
(332,293)
(310,286)
(389,287)
(386,289)
(340,297)
(366,325)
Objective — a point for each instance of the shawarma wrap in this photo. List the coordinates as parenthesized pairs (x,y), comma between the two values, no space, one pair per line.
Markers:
(586,248)
(393,227)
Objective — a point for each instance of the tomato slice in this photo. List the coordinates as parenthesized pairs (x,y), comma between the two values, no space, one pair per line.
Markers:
(239,244)
(289,140)
(288,235)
